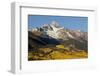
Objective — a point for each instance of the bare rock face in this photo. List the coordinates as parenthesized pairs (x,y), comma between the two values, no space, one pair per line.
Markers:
(54,30)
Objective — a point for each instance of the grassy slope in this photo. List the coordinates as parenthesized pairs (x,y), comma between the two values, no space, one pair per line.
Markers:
(55,53)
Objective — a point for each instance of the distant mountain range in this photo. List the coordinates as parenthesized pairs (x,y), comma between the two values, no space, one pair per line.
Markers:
(53,34)
(54,30)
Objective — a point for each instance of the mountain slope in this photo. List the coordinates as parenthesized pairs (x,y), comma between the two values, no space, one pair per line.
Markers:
(54,30)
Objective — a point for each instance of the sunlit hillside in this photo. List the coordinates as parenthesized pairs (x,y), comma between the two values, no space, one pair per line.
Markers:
(58,52)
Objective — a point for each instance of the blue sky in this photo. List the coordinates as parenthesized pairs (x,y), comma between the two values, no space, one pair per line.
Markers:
(70,22)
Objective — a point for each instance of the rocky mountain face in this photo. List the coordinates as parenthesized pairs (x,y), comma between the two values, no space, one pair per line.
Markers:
(54,30)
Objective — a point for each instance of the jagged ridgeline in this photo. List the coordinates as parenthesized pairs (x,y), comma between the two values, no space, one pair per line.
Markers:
(52,41)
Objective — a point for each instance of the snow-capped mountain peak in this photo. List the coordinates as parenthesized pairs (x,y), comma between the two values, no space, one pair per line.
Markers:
(55,30)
